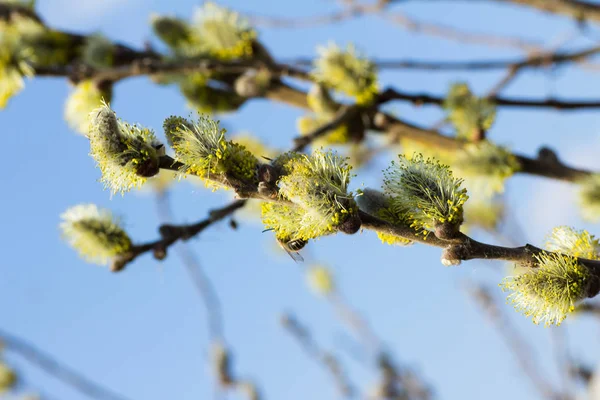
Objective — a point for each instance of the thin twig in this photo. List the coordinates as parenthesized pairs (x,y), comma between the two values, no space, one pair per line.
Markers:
(398,383)
(537,61)
(356,10)
(356,322)
(563,363)
(223,369)
(197,275)
(511,74)
(424,98)
(353,10)
(343,115)
(447,32)
(576,9)
(516,344)
(172,233)
(52,366)
(328,360)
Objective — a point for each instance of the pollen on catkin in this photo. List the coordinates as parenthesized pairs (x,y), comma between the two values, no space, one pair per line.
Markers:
(126,154)
(484,167)
(425,191)
(468,113)
(13,62)
(223,33)
(378,204)
(214,31)
(589,198)
(202,148)
(346,71)
(319,183)
(388,215)
(292,222)
(95,233)
(8,378)
(282,161)
(549,292)
(564,239)
(85,97)
(317,187)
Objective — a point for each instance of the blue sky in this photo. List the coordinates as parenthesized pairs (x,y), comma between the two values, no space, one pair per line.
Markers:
(143,333)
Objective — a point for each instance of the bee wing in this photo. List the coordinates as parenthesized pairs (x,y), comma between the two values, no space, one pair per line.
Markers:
(295,255)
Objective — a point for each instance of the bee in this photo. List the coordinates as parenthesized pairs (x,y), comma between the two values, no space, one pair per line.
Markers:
(292,247)
(151,166)
(148,168)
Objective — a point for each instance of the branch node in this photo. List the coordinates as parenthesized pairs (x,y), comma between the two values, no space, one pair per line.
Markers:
(159,252)
(452,255)
(447,231)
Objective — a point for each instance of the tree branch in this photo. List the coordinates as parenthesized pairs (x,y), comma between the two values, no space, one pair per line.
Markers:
(536,61)
(579,10)
(344,116)
(153,66)
(147,63)
(311,348)
(447,32)
(354,10)
(515,343)
(171,234)
(546,164)
(357,10)
(198,276)
(66,374)
(423,98)
(458,247)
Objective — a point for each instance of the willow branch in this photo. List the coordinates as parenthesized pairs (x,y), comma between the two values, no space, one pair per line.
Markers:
(312,349)
(516,344)
(579,10)
(423,98)
(447,32)
(282,92)
(536,61)
(145,65)
(399,383)
(64,373)
(547,164)
(198,276)
(590,308)
(464,248)
(457,247)
(172,233)
(344,116)
(357,10)
(223,368)
(353,10)
(394,378)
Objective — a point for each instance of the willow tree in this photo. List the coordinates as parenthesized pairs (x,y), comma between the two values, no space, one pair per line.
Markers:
(445,185)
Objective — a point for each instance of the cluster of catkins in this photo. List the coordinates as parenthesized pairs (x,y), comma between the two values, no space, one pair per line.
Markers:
(307,196)
(303,196)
